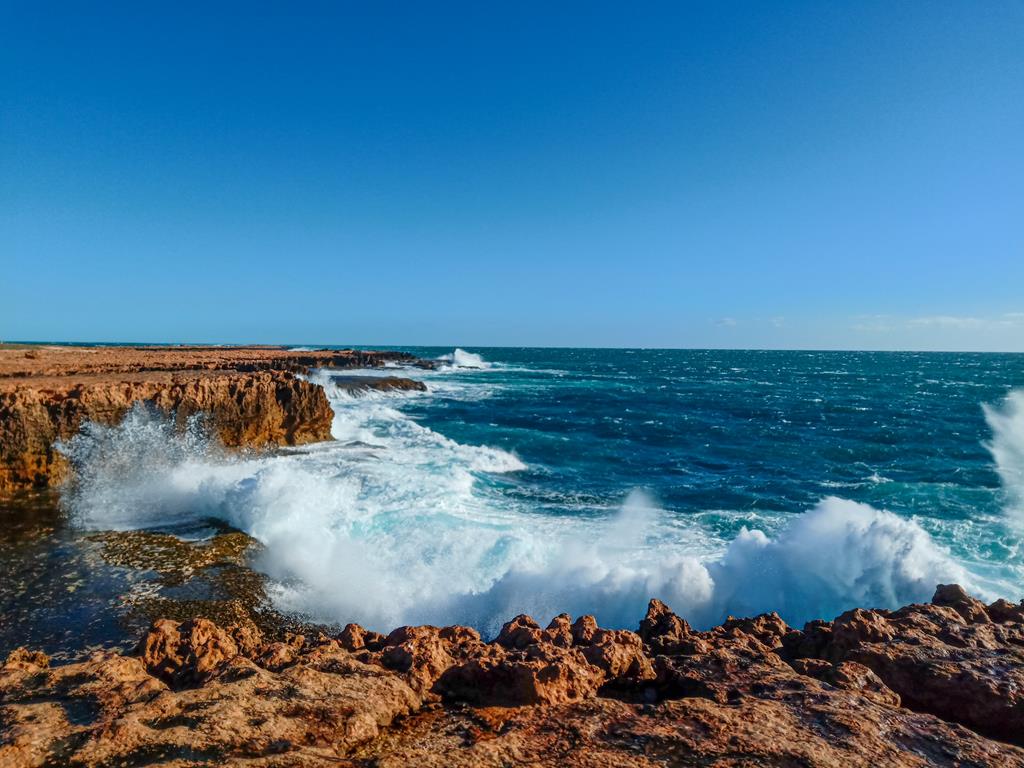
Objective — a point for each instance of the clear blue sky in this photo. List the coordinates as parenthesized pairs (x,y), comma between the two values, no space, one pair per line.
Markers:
(820,174)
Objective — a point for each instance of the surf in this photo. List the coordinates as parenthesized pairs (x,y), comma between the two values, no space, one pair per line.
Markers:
(394,523)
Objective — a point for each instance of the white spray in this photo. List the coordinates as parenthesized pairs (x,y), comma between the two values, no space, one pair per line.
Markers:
(394,523)
(1006,421)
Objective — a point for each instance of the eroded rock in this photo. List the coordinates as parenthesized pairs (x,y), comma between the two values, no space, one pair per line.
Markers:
(749,692)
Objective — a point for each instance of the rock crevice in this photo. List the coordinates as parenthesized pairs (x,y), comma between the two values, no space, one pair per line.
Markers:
(748,692)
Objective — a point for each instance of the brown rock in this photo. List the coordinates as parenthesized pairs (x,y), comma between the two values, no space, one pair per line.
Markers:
(662,631)
(357,385)
(943,660)
(584,629)
(619,654)
(560,631)
(250,396)
(424,654)
(355,638)
(768,628)
(24,659)
(1002,611)
(856,677)
(186,653)
(747,693)
(519,633)
(954,596)
(539,674)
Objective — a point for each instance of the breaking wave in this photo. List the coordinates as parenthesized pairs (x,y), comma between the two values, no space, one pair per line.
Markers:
(1006,420)
(394,523)
(460,358)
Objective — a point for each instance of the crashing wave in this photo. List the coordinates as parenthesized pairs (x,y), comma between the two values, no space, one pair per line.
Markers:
(396,524)
(1006,421)
(460,358)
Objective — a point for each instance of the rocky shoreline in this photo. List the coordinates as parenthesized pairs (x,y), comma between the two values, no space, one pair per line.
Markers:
(930,684)
(253,397)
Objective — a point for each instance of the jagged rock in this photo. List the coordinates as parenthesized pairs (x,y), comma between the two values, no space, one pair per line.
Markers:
(664,632)
(856,677)
(854,692)
(560,630)
(583,630)
(519,633)
(186,653)
(954,596)
(619,654)
(419,652)
(538,674)
(355,638)
(948,658)
(855,627)
(810,643)
(768,628)
(1002,611)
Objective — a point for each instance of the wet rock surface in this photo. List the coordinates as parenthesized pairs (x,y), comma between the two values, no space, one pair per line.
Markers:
(924,685)
(357,385)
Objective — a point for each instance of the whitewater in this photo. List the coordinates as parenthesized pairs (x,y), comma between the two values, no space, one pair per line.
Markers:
(541,482)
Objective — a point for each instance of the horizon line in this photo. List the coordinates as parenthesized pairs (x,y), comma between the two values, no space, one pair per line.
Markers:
(313,346)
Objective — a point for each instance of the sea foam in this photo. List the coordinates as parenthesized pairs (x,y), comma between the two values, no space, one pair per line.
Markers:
(1006,420)
(460,358)
(394,523)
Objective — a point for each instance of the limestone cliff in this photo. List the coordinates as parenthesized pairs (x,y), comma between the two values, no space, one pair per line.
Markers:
(252,396)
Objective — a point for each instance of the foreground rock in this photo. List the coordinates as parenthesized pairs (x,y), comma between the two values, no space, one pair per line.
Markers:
(750,692)
(252,396)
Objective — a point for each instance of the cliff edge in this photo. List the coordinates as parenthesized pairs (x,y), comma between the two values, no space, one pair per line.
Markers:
(252,396)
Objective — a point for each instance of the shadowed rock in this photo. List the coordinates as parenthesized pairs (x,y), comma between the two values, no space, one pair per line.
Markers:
(853,692)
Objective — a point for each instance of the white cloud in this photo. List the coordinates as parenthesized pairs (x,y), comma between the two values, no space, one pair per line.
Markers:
(727,322)
(1007,319)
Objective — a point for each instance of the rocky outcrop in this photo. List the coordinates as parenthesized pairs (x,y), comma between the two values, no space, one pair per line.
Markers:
(956,657)
(357,385)
(45,361)
(258,409)
(252,397)
(749,692)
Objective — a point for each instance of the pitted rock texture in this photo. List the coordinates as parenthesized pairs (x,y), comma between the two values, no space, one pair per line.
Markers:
(751,692)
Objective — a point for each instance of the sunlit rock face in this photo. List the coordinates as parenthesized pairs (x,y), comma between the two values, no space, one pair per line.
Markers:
(250,397)
(747,692)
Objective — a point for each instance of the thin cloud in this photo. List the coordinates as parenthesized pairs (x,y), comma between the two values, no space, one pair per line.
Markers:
(873,324)
(945,321)
(1005,320)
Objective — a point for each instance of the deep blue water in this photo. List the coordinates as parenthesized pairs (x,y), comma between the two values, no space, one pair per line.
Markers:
(740,438)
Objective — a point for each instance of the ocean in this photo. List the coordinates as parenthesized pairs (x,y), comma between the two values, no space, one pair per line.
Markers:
(544,481)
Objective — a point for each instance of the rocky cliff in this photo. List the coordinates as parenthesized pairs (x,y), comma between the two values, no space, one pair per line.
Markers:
(933,684)
(252,396)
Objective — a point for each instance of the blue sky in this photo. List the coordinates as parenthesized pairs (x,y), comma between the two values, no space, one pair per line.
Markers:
(821,174)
